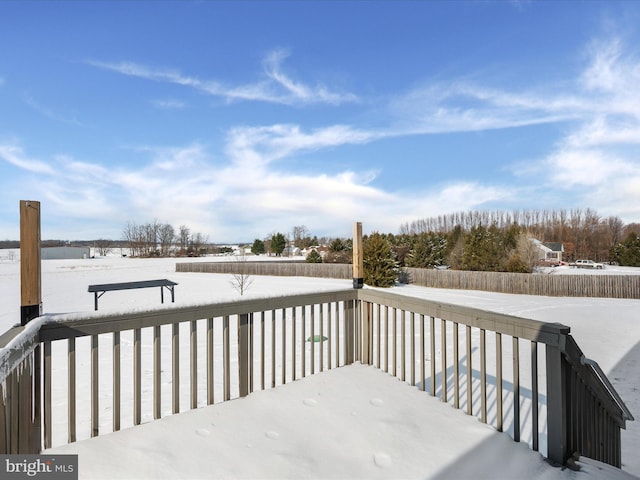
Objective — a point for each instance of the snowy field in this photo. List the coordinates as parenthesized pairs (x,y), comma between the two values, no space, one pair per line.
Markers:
(354,422)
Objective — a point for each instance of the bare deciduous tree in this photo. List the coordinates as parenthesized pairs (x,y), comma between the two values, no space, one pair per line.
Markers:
(527,251)
(166,236)
(198,241)
(183,237)
(241,280)
(103,247)
(301,237)
(132,237)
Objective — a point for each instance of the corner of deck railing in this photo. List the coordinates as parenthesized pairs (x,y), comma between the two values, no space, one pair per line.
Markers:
(562,328)
(10,334)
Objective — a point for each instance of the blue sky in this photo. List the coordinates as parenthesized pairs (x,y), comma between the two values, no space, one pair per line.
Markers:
(239,119)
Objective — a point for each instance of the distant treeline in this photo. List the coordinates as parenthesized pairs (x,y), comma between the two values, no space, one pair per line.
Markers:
(583,233)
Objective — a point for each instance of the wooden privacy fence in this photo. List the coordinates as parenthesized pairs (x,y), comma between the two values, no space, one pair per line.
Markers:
(459,354)
(601,285)
(273,268)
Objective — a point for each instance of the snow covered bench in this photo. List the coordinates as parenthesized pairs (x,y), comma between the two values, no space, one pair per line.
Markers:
(99,290)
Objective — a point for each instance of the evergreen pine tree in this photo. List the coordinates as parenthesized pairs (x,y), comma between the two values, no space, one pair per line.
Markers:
(339,251)
(380,266)
(475,256)
(428,251)
(258,247)
(314,257)
(627,252)
(278,244)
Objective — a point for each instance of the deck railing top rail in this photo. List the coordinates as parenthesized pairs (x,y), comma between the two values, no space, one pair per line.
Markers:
(18,342)
(60,326)
(548,333)
(587,367)
(15,344)
(77,325)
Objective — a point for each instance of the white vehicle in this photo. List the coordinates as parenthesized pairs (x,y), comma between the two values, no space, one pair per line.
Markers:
(588,264)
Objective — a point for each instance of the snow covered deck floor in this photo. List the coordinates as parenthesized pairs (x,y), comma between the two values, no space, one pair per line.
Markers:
(351,422)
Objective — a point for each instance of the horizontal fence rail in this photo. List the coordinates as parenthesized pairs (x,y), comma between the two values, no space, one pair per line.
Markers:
(83,375)
(601,285)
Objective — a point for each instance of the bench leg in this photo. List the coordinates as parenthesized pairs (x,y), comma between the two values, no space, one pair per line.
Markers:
(161,294)
(95,300)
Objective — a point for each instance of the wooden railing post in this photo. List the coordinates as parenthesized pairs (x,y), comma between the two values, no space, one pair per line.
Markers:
(358,262)
(46,380)
(30,264)
(366,333)
(243,354)
(36,439)
(349,331)
(5,420)
(557,411)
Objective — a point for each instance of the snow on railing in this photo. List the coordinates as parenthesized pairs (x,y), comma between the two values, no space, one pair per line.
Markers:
(20,390)
(195,356)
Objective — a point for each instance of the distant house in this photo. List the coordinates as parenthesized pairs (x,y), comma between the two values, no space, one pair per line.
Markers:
(64,253)
(550,252)
(555,253)
(291,251)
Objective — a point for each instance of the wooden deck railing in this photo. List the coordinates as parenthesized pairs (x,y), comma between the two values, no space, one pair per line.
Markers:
(547,393)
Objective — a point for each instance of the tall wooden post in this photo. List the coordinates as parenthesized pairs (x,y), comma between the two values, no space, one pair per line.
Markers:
(358,266)
(30,267)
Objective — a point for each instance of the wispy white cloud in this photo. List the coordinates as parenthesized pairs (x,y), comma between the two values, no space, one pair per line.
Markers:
(14,155)
(276,87)
(262,145)
(463,107)
(160,75)
(297,90)
(586,167)
(602,131)
(605,95)
(49,113)
(610,70)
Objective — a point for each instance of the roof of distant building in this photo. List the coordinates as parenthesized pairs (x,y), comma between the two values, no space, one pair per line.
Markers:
(554,246)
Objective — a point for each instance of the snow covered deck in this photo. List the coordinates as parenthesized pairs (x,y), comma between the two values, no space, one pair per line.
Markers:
(351,422)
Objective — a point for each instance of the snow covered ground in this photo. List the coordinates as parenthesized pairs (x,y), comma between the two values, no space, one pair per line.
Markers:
(354,422)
